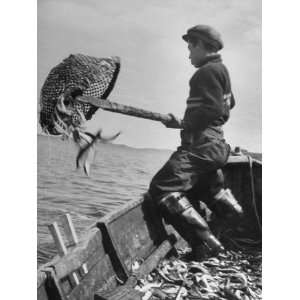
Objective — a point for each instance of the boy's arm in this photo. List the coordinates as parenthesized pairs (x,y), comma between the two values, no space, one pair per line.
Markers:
(174,122)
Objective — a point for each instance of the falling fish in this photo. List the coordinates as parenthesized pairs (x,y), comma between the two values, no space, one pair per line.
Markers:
(87,144)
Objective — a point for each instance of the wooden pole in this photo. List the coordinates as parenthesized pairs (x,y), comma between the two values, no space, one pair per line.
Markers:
(124,109)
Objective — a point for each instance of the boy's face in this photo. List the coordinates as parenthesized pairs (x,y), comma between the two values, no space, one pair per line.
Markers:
(197,53)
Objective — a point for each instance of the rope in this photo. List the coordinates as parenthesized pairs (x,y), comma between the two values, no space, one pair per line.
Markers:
(253,198)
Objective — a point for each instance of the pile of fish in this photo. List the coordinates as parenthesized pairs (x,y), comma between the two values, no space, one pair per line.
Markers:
(233,275)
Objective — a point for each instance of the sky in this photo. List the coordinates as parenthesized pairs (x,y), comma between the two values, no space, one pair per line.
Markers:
(155,69)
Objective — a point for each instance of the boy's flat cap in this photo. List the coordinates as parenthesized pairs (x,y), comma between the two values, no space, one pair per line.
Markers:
(205,33)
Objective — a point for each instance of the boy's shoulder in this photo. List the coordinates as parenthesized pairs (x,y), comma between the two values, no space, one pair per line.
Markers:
(211,69)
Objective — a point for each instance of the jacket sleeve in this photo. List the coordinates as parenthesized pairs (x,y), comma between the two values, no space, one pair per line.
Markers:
(206,103)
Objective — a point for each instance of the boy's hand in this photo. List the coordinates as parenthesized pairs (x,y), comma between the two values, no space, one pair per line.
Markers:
(174,122)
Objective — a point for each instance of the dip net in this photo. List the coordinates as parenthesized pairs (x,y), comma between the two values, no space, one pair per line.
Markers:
(76,75)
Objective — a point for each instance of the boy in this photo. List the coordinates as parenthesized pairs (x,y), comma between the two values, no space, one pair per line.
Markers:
(203,150)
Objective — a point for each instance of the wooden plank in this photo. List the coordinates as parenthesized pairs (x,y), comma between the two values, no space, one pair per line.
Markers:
(134,232)
(101,273)
(100,276)
(69,229)
(126,291)
(73,260)
(41,293)
(58,239)
(241,159)
(109,241)
(152,261)
(52,287)
(41,278)
(71,235)
(237,178)
(62,249)
(122,210)
(84,268)
(41,289)
(257,171)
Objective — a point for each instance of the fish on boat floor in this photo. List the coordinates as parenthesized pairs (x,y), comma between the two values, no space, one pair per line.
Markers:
(233,275)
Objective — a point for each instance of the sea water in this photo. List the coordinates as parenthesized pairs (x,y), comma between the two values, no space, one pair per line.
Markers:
(118,175)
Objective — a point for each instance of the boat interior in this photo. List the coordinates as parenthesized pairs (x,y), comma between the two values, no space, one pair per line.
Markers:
(104,264)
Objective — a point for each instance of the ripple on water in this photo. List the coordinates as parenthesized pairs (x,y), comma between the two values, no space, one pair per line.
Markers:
(119,174)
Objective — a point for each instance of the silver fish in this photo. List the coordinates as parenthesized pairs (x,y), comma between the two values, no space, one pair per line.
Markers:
(87,143)
(223,278)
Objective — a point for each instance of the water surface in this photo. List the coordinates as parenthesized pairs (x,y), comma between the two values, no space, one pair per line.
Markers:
(119,174)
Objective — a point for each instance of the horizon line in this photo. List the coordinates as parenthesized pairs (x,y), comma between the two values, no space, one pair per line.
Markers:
(149,148)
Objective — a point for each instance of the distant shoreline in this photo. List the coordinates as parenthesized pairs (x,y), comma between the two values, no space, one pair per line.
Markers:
(255,155)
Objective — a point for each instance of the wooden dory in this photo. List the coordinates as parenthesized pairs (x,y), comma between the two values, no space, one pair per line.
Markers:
(101,265)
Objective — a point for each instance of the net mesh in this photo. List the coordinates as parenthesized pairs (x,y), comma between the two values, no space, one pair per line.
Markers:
(92,76)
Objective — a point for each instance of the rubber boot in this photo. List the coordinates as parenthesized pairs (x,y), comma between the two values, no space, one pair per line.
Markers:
(225,203)
(179,207)
(201,230)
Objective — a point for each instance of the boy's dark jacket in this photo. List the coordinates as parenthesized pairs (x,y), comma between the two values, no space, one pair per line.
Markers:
(209,103)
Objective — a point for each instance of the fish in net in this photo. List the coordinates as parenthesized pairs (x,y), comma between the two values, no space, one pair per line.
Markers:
(61,114)
(76,75)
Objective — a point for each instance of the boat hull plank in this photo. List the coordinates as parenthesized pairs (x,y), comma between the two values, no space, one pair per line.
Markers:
(81,254)
(134,233)
(41,286)
(100,271)
(127,291)
(238,177)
